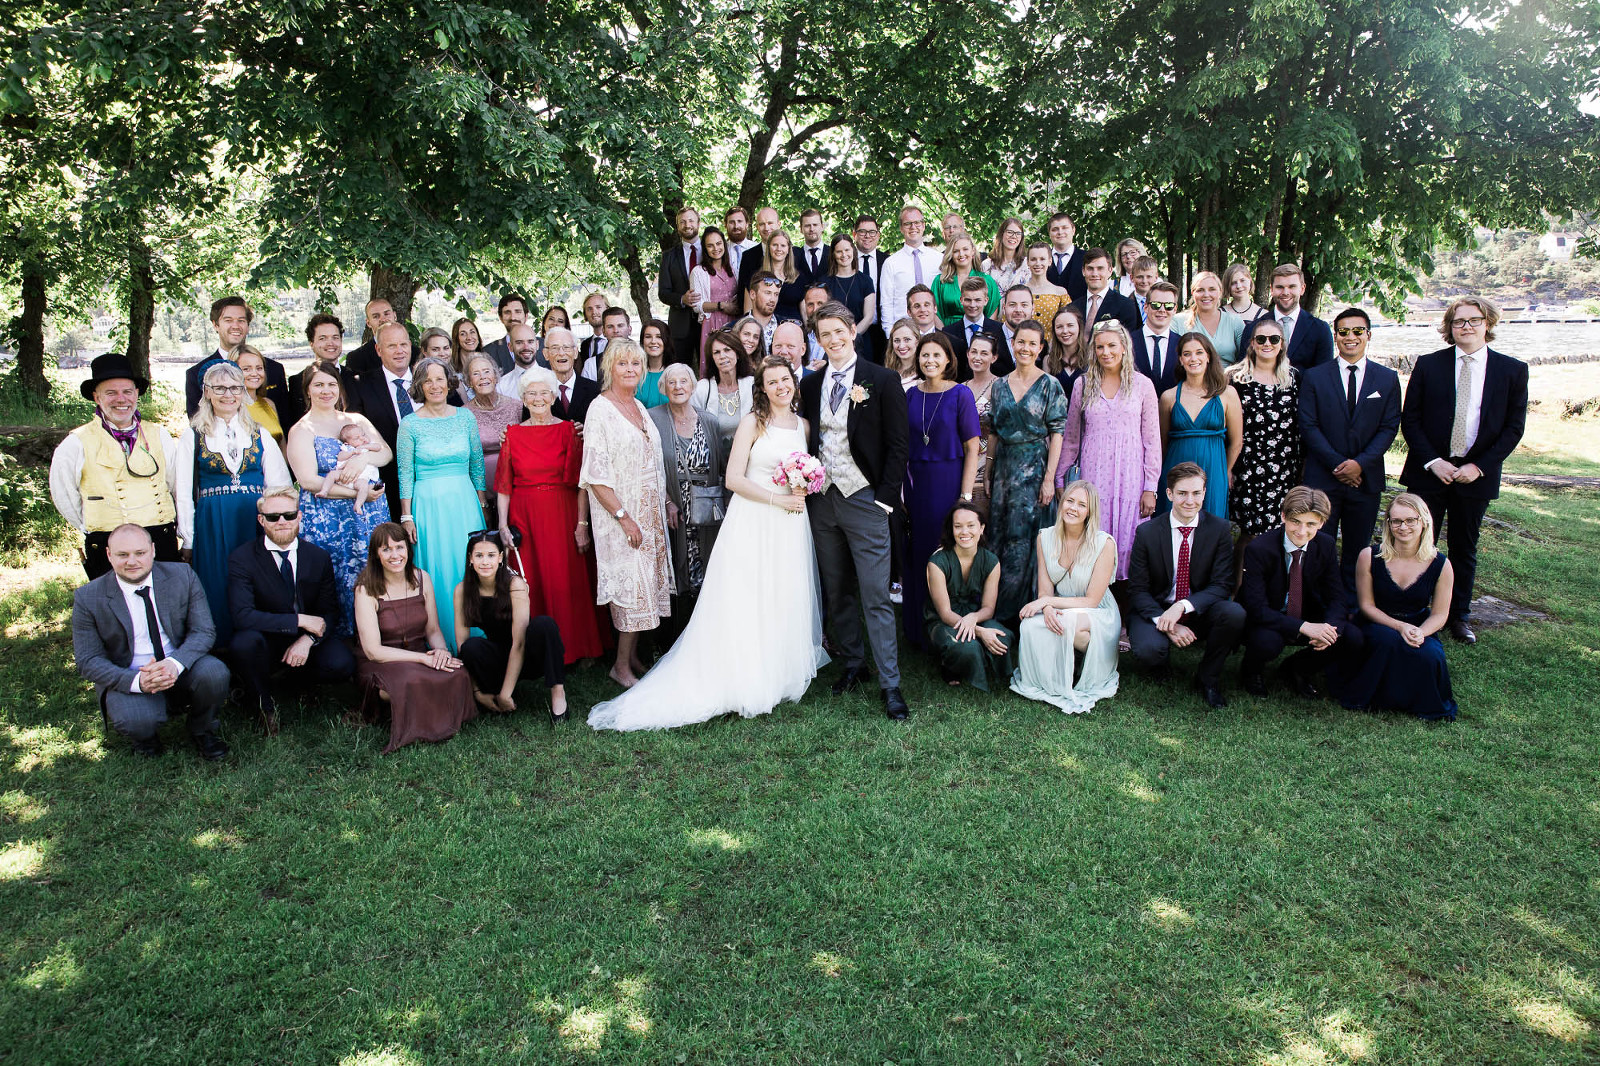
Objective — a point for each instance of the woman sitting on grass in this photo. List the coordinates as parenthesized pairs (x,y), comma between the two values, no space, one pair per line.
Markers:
(496,635)
(963,586)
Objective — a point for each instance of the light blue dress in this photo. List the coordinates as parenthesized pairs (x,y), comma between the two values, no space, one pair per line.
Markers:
(441,473)
(1230,332)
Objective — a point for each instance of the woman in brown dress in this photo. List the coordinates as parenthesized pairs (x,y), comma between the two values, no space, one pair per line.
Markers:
(402,657)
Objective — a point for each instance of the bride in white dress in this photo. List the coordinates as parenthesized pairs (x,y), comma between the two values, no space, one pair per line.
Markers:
(755,638)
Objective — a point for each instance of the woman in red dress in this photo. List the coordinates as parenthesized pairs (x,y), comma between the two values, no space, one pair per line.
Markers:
(537,485)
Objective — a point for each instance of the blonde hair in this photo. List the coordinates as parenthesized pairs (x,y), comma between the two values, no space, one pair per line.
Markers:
(1486,307)
(1426,548)
(273,492)
(947,265)
(205,417)
(1091,371)
(1091,523)
(614,351)
(1194,282)
(1244,369)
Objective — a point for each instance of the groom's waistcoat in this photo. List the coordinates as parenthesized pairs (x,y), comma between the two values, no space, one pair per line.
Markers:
(837,461)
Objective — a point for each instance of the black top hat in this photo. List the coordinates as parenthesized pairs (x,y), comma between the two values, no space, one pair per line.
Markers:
(110,367)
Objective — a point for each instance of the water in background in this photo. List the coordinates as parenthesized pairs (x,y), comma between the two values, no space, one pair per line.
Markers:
(1523,340)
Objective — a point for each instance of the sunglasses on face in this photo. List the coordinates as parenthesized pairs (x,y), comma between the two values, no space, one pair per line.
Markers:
(1164,305)
(280,516)
(1352,331)
(1268,340)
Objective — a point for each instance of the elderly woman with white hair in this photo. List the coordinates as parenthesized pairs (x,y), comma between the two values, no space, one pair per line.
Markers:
(494,411)
(692,462)
(221,466)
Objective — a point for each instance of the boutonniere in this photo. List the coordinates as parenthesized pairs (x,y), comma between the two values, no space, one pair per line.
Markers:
(859,393)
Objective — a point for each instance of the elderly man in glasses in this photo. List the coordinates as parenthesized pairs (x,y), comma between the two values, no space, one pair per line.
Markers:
(284,600)
(116,469)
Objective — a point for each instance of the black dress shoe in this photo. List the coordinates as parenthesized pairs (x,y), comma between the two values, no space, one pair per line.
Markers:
(1462,632)
(894,705)
(851,678)
(148,747)
(210,747)
(1302,685)
(1213,696)
(269,716)
(1254,684)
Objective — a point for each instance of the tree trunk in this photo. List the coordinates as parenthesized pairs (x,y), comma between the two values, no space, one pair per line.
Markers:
(1264,259)
(638,282)
(27,329)
(397,288)
(141,304)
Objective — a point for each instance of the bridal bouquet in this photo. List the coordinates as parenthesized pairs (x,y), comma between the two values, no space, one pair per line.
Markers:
(799,470)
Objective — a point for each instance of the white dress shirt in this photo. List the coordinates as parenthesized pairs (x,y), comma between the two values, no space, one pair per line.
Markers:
(143,650)
(512,384)
(1476,377)
(1062,258)
(867,263)
(1177,545)
(899,276)
(1292,317)
(274,471)
(821,252)
(66,472)
(1150,338)
(1344,376)
(389,378)
(591,368)
(293,548)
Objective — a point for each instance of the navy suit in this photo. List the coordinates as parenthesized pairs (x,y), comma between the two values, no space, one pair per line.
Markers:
(1168,378)
(1112,305)
(1428,418)
(1071,278)
(957,332)
(1330,435)
(1264,591)
(672,285)
(804,275)
(266,616)
(1310,345)
(1216,619)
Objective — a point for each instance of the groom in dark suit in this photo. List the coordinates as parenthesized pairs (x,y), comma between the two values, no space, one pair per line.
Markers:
(860,430)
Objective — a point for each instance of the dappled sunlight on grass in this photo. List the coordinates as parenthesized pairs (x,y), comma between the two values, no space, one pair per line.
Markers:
(1167,915)
(21,860)
(216,838)
(1139,789)
(389,1056)
(38,748)
(1339,1038)
(1170,742)
(1552,1019)
(57,973)
(20,808)
(717,838)
(829,964)
(1298,1052)
(584,1029)
(1349,1037)
(1545,928)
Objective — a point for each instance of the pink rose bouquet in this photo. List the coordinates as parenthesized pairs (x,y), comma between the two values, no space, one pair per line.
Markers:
(799,470)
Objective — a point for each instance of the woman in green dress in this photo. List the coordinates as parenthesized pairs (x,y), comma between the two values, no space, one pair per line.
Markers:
(1028,411)
(963,587)
(960,263)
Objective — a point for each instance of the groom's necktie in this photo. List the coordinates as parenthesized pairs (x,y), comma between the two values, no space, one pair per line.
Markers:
(837,395)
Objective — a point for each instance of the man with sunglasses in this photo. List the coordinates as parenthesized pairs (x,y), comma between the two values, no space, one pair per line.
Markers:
(1349,415)
(116,468)
(1465,411)
(1155,346)
(284,600)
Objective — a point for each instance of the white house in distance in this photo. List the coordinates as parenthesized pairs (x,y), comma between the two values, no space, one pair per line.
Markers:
(1559,243)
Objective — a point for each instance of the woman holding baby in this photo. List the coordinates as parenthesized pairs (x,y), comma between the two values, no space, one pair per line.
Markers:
(331,451)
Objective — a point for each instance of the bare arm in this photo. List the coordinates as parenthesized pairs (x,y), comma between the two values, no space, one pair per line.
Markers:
(1168,398)
(755,491)
(372,645)
(1233,415)
(519,639)
(969,466)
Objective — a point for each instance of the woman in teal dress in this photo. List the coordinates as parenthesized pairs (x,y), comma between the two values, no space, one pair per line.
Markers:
(1028,411)
(960,262)
(963,588)
(442,484)
(222,464)
(1201,422)
(1207,314)
(653,338)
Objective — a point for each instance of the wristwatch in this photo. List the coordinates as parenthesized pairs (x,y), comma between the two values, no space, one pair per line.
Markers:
(966,497)
(620,513)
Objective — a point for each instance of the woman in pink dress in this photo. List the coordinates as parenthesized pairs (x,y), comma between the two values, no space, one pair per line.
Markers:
(1113,434)
(718,285)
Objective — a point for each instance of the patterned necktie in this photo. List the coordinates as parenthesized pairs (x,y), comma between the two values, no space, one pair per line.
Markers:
(1296,601)
(125,437)
(157,652)
(1180,587)
(836,396)
(1458,426)
(401,399)
(1284,323)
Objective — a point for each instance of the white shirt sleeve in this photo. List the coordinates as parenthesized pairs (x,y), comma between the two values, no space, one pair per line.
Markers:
(183,488)
(274,470)
(66,481)
(892,294)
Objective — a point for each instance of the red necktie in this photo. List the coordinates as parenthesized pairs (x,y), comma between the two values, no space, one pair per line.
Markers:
(1296,601)
(564,396)
(694,257)
(1180,590)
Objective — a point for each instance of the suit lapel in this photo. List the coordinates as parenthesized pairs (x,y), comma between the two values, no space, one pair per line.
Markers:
(169,606)
(119,609)
(1166,551)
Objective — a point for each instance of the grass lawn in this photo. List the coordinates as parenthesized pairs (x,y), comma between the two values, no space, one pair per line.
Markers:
(990,882)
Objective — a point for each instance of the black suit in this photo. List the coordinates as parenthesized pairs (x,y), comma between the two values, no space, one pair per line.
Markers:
(1216,619)
(1070,278)
(871,264)
(368,394)
(672,285)
(1264,592)
(1330,435)
(581,392)
(1112,305)
(958,333)
(804,275)
(364,359)
(266,615)
(749,267)
(586,352)
(289,404)
(1168,378)
(1427,421)
(1310,345)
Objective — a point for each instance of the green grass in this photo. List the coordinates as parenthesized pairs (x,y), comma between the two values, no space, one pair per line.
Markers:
(991,882)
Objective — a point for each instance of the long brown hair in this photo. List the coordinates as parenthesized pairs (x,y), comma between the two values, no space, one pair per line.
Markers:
(759,404)
(1215,380)
(471,597)
(1057,358)
(372,577)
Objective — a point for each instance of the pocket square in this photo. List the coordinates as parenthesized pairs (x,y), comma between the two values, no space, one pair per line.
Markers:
(1374,395)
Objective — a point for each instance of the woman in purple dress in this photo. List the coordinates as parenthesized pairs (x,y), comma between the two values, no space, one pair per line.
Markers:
(942,467)
(1113,434)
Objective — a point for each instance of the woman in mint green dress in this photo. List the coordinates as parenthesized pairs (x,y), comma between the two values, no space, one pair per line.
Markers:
(1201,422)
(442,485)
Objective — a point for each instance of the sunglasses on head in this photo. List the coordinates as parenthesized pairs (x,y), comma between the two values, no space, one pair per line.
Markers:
(280,516)
(1268,340)
(1351,331)
(478,536)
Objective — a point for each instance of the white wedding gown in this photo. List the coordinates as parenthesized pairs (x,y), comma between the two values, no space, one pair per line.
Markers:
(755,638)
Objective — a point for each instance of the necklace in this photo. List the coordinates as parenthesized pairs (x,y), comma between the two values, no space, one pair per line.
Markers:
(728,403)
(925,424)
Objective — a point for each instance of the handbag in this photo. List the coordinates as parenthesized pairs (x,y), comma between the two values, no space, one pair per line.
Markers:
(707,506)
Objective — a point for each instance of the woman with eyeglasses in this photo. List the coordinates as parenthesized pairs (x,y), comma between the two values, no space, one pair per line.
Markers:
(1200,422)
(536,491)
(402,660)
(1221,327)
(1007,259)
(1403,588)
(498,636)
(1129,251)
(1269,458)
(222,464)
(329,518)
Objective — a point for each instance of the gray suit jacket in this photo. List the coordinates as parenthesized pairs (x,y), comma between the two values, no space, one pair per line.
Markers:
(102,630)
(662,416)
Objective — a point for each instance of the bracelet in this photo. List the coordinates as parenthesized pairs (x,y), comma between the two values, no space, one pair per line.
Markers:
(583,524)
(408,518)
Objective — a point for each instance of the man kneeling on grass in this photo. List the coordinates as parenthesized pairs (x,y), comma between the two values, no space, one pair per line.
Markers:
(1292,593)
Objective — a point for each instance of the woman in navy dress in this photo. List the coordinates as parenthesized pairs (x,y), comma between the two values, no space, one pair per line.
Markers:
(852,288)
(942,466)
(1403,587)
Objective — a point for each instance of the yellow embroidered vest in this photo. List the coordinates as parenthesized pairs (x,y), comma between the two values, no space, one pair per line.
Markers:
(111,494)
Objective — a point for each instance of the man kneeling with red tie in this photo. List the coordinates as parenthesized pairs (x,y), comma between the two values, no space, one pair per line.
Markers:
(1292,593)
